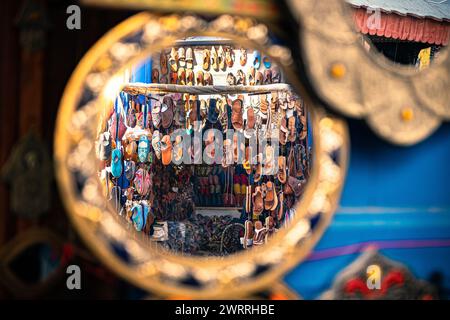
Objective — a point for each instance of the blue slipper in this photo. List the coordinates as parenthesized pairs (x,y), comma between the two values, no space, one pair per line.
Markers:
(116,163)
(257,60)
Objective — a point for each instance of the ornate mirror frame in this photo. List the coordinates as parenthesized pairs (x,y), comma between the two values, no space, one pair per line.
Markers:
(401,105)
(127,253)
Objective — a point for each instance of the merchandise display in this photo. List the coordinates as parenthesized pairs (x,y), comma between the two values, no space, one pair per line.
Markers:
(209,155)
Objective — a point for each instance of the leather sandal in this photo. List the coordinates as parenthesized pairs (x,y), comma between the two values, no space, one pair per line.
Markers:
(236,117)
(231,79)
(251,76)
(260,234)
(248,235)
(221,55)
(182,57)
(240,79)
(208,79)
(243,57)
(206,59)
(182,76)
(229,57)
(259,78)
(267,76)
(282,169)
(200,78)
(258,201)
(190,77)
(189,58)
(155,75)
(167,108)
(215,59)
(173,60)
(163,63)
(166,150)
(271,199)
(292,130)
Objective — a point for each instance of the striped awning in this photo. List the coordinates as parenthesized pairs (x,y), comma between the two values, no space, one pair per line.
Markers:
(399,27)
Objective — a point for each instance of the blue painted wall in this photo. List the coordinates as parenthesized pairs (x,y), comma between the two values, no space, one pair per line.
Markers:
(392,194)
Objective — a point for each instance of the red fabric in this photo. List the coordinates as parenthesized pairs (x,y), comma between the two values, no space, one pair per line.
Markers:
(404,27)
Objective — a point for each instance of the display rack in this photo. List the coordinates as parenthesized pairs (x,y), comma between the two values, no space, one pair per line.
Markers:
(152,88)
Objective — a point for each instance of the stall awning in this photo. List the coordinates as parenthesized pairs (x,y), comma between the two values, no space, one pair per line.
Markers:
(426,23)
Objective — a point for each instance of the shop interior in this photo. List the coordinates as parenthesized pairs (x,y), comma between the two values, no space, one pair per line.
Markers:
(163,185)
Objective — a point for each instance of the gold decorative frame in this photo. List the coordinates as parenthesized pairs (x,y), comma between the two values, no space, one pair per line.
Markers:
(129,253)
(400,104)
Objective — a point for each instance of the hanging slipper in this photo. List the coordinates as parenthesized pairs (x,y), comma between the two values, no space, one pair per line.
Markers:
(304,131)
(238,149)
(292,130)
(156,143)
(130,170)
(178,149)
(256,60)
(231,79)
(283,131)
(221,55)
(267,63)
(229,57)
(164,80)
(213,114)
(258,171)
(270,227)
(259,78)
(181,76)
(103,146)
(282,169)
(251,76)
(269,162)
(130,150)
(190,77)
(243,57)
(214,59)
(131,117)
(276,74)
(163,63)
(167,108)
(248,234)
(189,58)
(208,79)
(260,234)
(294,187)
(137,217)
(173,77)
(271,199)
(206,59)
(280,215)
(143,149)
(173,60)
(156,115)
(200,78)
(236,117)
(117,127)
(182,57)
(240,79)
(258,201)
(247,164)
(267,76)
(250,123)
(179,114)
(142,181)
(155,75)
(264,104)
(116,163)
(166,150)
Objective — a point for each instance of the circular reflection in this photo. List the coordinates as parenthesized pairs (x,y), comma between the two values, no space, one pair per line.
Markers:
(410,33)
(205,149)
